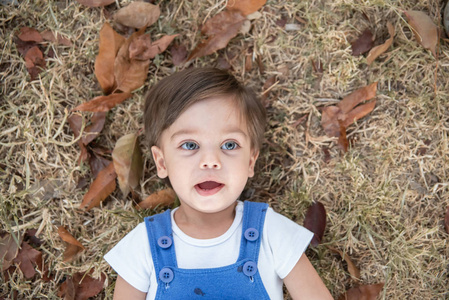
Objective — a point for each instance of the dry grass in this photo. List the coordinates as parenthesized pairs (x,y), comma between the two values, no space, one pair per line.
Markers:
(385,198)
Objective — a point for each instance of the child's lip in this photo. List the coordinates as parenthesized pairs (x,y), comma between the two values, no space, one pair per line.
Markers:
(208,188)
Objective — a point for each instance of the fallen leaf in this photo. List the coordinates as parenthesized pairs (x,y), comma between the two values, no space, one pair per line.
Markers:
(378,50)
(92,131)
(142,48)
(27,258)
(363,292)
(220,30)
(363,44)
(81,286)
(103,103)
(28,34)
(22,46)
(97,163)
(100,188)
(425,30)
(352,268)
(95,3)
(128,165)
(73,245)
(138,14)
(245,7)
(30,236)
(358,96)
(342,139)
(358,113)
(110,43)
(178,54)
(75,122)
(8,251)
(34,62)
(162,197)
(48,35)
(315,221)
(446,220)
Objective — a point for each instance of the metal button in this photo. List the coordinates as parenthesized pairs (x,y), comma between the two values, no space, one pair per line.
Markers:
(164,242)
(166,275)
(250,268)
(251,234)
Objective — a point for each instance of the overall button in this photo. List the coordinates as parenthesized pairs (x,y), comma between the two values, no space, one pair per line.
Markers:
(249,268)
(251,234)
(166,275)
(164,242)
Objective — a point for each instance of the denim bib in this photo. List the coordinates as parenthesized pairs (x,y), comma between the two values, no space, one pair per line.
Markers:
(240,280)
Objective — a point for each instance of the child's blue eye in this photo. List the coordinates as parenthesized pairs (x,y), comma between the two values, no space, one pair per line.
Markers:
(229,146)
(189,146)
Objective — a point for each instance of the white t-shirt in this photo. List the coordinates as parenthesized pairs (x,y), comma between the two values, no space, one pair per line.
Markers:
(283,242)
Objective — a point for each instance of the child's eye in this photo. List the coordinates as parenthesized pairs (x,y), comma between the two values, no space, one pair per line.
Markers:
(189,146)
(229,146)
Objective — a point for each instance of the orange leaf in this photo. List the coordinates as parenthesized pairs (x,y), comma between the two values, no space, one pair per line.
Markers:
(103,103)
(363,292)
(141,48)
(358,113)
(425,30)
(163,197)
(95,3)
(110,43)
(28,34)
(73,245)
(342,139)
(220,29)
(358,96)
(352,268)
(138,14)
(128,164)
(378,50)
(101,188)
(246,7)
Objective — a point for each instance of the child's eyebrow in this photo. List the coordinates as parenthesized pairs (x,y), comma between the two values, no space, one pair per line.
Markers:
(232,130)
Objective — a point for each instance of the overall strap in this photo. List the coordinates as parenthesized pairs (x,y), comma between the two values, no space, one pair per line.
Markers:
(252,229)
(160,237)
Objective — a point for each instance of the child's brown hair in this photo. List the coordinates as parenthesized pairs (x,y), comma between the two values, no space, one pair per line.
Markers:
(174,94)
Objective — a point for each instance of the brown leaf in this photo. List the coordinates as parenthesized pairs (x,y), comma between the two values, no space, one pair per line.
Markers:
(97,163)
(378,50)
(163,198)
(220,30)
(138,14)
(446,220)
(363,292)
(73,245)
(95,3)
(110,43)
(23,47)
(425,30)
(245,7)
(363,44)
(103,103)
(34,61)
(342,139)
(352,268)
(8,251)
(130,74)
(128,165)
(329,121)
(81,287)
(48,35)
(75,122)
(142,48)
(178,54)
(358,96)
(315,221)
(358,113)
(93,130)
(27,258)
(101,188)
(28,34)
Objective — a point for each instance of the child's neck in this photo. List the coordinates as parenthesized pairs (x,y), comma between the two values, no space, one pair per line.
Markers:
(201,225)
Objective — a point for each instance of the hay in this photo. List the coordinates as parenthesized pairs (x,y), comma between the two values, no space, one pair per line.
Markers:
(385,198)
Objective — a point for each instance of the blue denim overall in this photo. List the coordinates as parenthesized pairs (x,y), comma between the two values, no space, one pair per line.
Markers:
(240,280)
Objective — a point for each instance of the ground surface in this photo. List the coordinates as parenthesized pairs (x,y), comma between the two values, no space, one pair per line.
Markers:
(385,198)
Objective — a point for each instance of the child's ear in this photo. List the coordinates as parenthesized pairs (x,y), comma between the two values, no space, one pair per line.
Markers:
(252,162)
(159,160)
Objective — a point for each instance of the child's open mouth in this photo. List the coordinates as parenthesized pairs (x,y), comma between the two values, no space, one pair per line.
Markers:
(208,188)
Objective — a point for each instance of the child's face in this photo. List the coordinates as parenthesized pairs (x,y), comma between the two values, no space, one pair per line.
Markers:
(206,153)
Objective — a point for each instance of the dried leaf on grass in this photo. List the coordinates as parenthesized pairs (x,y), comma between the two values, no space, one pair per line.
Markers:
(97,163)
(48,35)
(315,221)
(178,54)
(27,259)
(220,29)
(352,268)
(128,165)
(8,251)
(95,3)
(92,131)
(110,43)
(363,292)
(73,245)
(28,34)
(34,62)
(163,197)
(138,14)
(100,188)
(446,220)
(425,30)
(378,50)
(103,103)
(81,287)
(363,43)
(246,7)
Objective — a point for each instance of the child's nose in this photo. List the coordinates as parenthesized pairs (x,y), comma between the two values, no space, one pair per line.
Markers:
(210,160)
